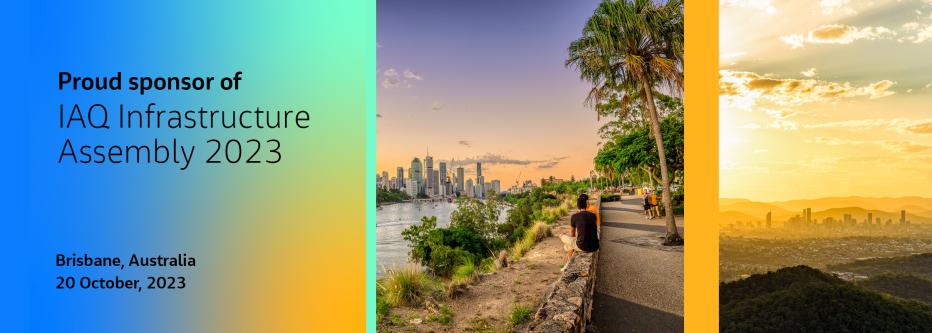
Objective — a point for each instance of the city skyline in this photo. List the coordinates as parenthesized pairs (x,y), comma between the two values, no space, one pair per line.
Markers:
(449,179)
(477,82)
(824,99)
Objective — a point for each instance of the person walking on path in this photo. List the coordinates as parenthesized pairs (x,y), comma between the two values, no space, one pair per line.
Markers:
(653,204)
(648,212)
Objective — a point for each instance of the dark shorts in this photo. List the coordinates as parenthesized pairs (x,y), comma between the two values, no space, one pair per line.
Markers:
(646,206)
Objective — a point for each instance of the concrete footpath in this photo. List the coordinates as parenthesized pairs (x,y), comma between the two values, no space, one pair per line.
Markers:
(640,282)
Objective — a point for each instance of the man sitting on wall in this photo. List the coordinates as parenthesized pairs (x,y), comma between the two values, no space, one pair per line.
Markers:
(584,234)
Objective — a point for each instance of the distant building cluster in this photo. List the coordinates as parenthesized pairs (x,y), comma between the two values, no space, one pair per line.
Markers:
(423,180)
(805,220)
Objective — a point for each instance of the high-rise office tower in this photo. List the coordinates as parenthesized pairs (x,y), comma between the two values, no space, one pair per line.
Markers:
(385,184)
(436,185)
(442,181)
(870,218)
(400,177)
(416,176)
(470,190)
(459,179)
(480,181)
(769,216)
(429,164)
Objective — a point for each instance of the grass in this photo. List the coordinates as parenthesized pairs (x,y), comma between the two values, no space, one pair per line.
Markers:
(488,265)
(479,325)
(407,286)
(382,309)
(534,234)
(519,314)
(445,317)
(465,273)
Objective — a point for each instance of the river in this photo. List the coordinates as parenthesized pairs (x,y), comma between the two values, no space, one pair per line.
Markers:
(391,250)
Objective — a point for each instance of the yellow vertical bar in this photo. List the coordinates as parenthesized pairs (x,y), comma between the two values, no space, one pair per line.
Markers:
(701,98)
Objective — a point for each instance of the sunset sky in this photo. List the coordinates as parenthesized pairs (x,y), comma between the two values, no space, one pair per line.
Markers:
(484,80)
(825,98)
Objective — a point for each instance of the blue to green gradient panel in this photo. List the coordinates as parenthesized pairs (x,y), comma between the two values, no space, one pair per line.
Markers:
(279,247)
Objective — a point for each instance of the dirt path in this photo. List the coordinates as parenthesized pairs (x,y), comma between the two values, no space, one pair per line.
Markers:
(487,304)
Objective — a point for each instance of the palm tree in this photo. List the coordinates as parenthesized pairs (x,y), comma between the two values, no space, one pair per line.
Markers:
(631,49)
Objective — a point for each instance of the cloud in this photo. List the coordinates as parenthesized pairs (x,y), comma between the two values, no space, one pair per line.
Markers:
(395,79)
(751,126)
(761,5)
(408,74)
(830,7)
(748,89)
(859,124)
(811,72)
(390,82)
(919,32)
(920,128)
(496,159)
(837,34)
(904,146)
(464,143)
(437,106)
(889,145)
(784,125)
(548,165)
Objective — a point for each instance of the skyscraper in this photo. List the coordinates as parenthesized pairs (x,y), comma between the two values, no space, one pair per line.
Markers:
(400,178)
(470,190)
(385,184)
(480,181)
(417,179)
(443,178)
(429,163)
(459,179)
(436,185)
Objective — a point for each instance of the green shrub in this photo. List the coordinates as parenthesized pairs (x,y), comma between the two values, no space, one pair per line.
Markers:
(443,249)
(406,286)
(519,314)
(609,197)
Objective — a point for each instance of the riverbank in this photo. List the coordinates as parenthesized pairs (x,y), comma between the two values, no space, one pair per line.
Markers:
(501,301)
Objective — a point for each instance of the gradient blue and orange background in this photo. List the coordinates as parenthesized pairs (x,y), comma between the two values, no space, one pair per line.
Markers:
(279,247)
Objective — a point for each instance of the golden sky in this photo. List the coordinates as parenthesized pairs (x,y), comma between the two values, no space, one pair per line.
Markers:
(825,98)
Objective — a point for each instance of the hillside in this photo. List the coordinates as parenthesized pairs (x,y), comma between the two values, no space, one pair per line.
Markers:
(803,299)
(902,286)
(919,265)
(756,209)
(918,210)
(732,217)
(884,204)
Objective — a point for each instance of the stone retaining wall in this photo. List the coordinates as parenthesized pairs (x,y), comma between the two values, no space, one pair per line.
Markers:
(567,306)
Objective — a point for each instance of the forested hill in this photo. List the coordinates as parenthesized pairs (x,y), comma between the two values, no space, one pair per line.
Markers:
(804,299)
